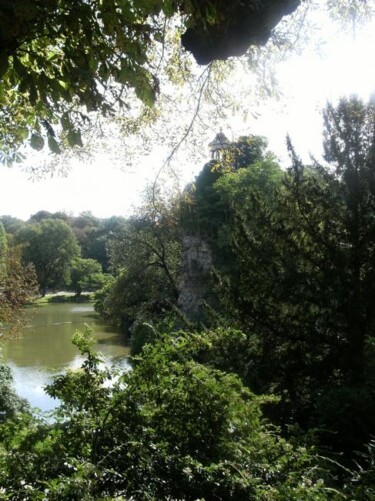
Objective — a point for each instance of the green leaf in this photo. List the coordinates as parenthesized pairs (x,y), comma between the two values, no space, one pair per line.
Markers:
(19,67)
(63,84)
(22,133)
(53,145)
(66,122)
(4,63)
(36,142)
(74,138)
(124,75)
(3,96)
(144,90)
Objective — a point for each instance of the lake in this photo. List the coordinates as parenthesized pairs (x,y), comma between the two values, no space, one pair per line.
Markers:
(45,349)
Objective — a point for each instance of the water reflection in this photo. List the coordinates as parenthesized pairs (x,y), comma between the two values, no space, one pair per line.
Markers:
(45,348)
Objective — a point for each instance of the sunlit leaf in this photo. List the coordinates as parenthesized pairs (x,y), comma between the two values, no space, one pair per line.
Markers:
(53,145)
(37,142)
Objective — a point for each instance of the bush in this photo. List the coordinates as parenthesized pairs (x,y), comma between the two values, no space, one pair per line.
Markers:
(141,333)
(10,402)
(172,428)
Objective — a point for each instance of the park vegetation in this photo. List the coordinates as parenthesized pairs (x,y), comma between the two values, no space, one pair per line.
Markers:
(267,394)
(70,68)
(65,253)
(64,64)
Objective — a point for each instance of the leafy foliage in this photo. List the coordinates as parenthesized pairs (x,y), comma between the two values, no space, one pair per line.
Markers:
(50,246)
(166,429)
(294,283)
(17,285)
(61,63)
(145,255)
(58,58)
(10,402)
(86,275)
(304,277)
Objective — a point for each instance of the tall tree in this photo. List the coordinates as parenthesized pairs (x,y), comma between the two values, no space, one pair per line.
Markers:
(349,147)
(144,256)
(17,284)
(306,276)
(50,246)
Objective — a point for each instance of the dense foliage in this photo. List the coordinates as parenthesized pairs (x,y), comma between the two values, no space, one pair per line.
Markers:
(50,246)
(63,63)
(304,281)
(293,270)
(17,284)
(67,253)
(86,275)
(272,395)
(145,255)
(168,429)
(60,61)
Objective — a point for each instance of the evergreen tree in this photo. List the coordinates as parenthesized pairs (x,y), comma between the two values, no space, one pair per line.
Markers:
(306,275)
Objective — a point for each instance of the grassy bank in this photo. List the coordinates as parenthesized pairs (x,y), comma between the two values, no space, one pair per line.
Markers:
(64,297)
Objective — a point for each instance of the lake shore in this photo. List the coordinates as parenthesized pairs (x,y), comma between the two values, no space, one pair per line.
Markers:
(64,297)
(44,347)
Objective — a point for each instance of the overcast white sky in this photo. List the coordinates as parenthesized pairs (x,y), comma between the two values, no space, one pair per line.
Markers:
(308,81)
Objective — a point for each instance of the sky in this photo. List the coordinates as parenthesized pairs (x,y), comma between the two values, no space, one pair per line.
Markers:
(344,66)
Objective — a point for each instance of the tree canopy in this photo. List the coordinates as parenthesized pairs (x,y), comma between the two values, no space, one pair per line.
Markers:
(303,275)
(61,61)
(86,275)
(17,286)
(50,246)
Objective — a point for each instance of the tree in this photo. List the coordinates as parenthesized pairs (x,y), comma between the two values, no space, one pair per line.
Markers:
(50,246)
(146,279)
(86,275)
(11,224)
(305,282)
(95,246)
(40,216)
(145,257)
(92,236)
(244,152)
(17,286)
(349,147)
(208,208)
(60,62)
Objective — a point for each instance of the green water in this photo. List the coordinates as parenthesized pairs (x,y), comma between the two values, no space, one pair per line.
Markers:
(45,349)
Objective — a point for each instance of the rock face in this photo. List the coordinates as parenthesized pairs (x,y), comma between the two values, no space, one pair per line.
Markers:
(196,263)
